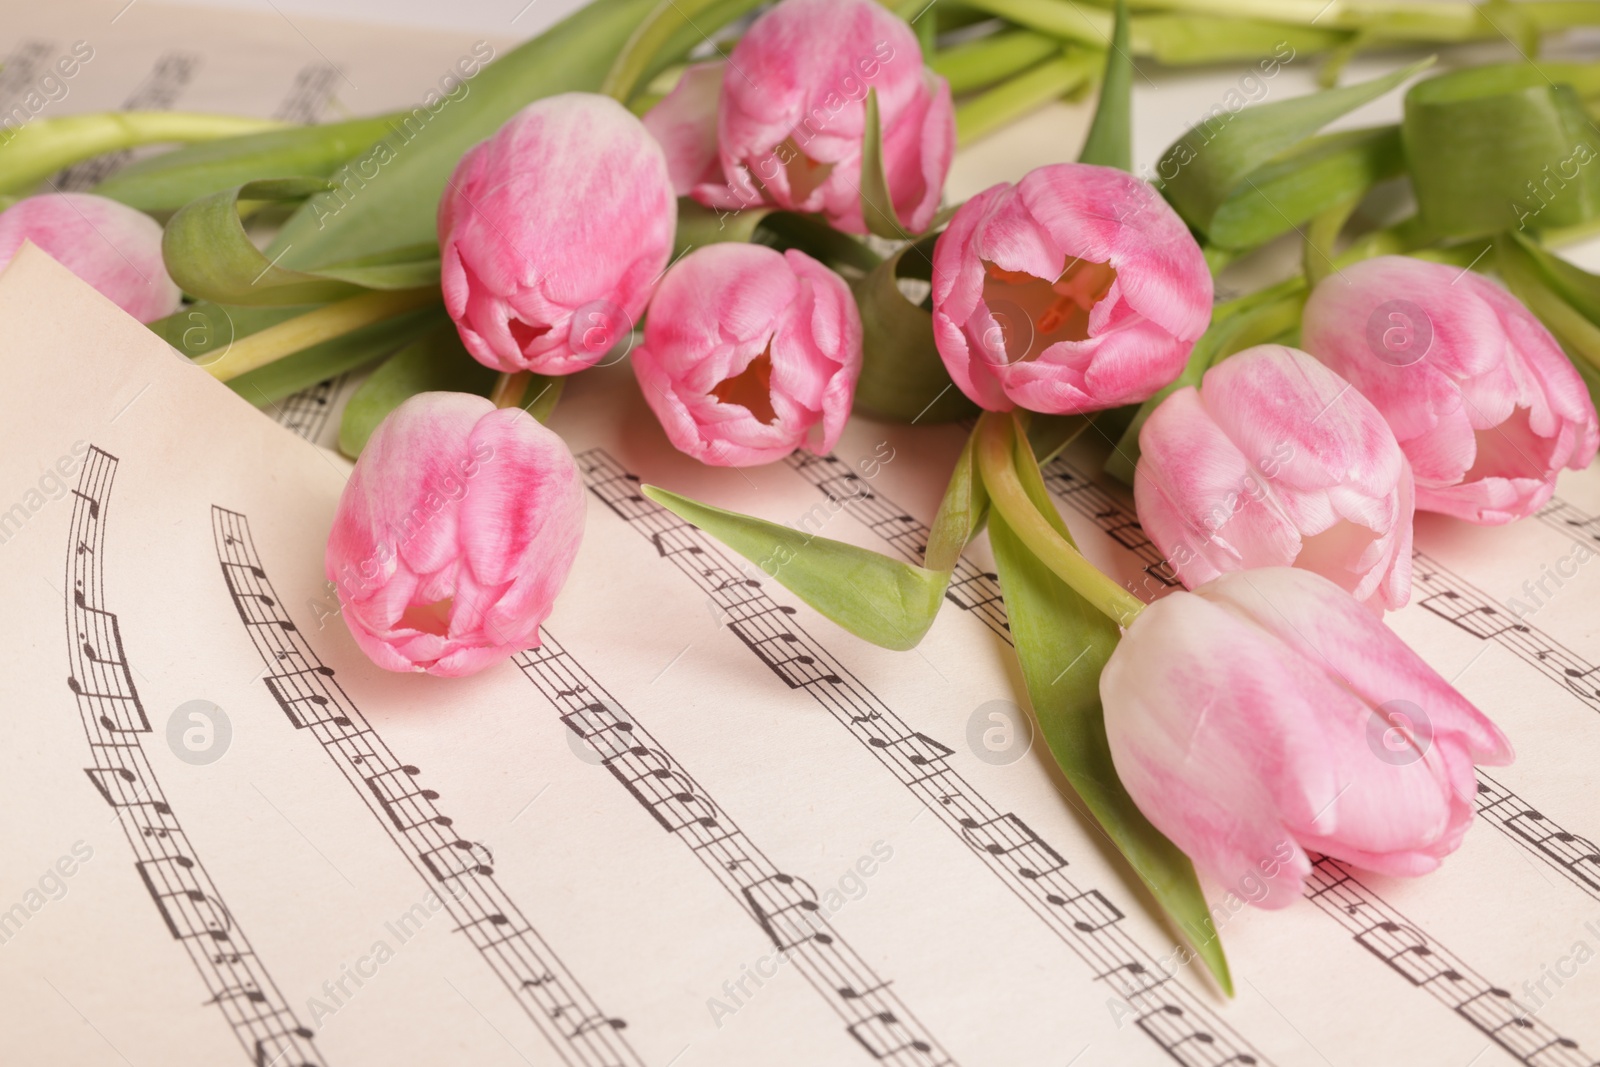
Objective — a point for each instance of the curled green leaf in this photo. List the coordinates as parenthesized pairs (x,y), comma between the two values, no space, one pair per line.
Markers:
(210,256)
(1500,147)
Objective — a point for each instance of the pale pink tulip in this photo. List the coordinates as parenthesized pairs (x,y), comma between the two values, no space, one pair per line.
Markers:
(1076,289)
(552,233)
(454,534)
(749,353)
(1276,460)
(783,121)
(1482,399)
(1267,714)
(109,245)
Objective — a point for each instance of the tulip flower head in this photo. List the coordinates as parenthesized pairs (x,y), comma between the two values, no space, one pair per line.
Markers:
(749,353)
(552,234)
(454,534)
(1074,290)
(1267,714)
(1276,460)
(1482,399)
(111,246)
(783,121)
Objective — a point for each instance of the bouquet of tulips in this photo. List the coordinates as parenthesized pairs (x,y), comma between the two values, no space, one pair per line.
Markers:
(749,206)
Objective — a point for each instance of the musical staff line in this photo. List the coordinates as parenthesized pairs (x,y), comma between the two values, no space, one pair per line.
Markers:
(459,869)
(167,865)
(1572,522)
(784,906)
(1089,924)
(306,412)
(1576,859)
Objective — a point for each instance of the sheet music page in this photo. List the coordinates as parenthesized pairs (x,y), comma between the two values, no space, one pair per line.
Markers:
(700,824)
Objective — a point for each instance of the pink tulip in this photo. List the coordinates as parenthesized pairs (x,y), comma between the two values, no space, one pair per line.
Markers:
(782,122)
(1276,460)
(109,245)
(1076,289)
(552,233)
(1268,714)
(749,353)
(454,535)
(1482,399)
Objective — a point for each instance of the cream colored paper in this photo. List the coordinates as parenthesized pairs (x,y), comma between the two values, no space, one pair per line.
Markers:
(606,874)
(347,926)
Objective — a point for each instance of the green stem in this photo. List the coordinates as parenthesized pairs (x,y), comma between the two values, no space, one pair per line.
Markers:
(32,153)
(660,33)
(1032,89)
(315,327)
(1055,18)
(996,461)
(981,63)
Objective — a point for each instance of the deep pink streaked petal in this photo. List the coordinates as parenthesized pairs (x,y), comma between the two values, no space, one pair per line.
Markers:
(726,311)
(1488,413)
(565,215)
(798,83)
(454,534)
(1139,332)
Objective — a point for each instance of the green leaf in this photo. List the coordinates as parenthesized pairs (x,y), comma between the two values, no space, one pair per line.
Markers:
(284,377)
(1110,140)
(388,197)
(1216,159)
(1062,644)
(1049,80)
(886,601)
(1309,179)
(1578,334)
(435,361)
(1577,286)
(902,377)
(699,225)
(209,254)
(165,183)
(877,203)
(1500,147)
(31,153)
(666,33)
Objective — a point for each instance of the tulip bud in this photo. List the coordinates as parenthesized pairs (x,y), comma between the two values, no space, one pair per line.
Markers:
(454,534)
(1267,715)
(749,353)
(1483,401)
(790,118)
(1074,290)
(109,245)
(552,233)
(1276,460)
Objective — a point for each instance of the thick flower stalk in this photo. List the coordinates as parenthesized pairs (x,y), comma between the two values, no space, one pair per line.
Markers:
(1074,290)
(109,245)
(454,534)
(1481,398)
(783,121)
(1274,461)
(1268,715)
(750,353)
(552,233)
